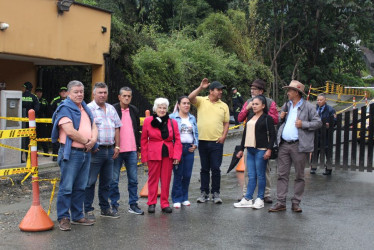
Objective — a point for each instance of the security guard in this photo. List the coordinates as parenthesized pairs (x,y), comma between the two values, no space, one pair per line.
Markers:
(57,101)
(237,103)
(43,130)
(54,104)
(29,101)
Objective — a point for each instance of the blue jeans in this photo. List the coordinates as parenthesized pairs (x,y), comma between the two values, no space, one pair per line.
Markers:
(182,175)
(73,181)
(256,166)
(131,163)
(101,163)
(211,158)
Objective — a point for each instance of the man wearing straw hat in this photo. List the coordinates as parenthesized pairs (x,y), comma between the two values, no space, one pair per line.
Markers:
(299,120)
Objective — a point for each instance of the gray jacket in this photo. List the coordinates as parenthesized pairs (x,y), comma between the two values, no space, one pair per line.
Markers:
(310,122)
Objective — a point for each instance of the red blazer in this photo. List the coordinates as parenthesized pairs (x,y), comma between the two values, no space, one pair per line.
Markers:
(151,142)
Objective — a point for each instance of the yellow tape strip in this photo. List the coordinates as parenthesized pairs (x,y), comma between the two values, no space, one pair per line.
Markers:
(43,139)
(16,119)
(53,181)
(7,178)
(43,120)
(10,147)
(13,171)
(17,133)
(334,100)
(25,119)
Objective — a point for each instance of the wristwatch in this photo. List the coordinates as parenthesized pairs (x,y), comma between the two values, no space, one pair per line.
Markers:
(117,147)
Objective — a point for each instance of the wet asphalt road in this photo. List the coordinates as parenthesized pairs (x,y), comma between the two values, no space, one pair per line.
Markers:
(337,214)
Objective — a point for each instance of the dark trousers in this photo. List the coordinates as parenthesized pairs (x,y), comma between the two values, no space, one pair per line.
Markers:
(289,155)
(42,131)
(236,113)
(211,159)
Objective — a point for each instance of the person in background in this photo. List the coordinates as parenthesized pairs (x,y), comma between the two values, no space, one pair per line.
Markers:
(129,147)
(161,148)
(258,87)
(326,113)
(189,139)
(258,138)
(54,104)
(29,101)
(237,103)
(43,129)
(213,124)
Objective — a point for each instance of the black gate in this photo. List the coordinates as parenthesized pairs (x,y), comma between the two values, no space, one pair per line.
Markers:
(350,142)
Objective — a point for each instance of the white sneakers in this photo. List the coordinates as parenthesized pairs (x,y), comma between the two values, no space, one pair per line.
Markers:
(177,205)
(258,204)
(249,203)
(186,203)
(244,203)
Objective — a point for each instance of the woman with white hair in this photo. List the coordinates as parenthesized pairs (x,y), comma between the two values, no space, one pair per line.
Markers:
(160,148)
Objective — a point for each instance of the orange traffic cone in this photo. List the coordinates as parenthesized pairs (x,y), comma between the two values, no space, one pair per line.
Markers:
(36,219)
(144,191)
(240,167)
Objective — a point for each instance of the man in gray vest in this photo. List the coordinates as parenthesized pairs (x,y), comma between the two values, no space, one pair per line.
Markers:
(295,138)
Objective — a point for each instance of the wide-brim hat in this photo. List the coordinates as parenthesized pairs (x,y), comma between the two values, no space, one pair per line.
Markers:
(260,84)
(296,85)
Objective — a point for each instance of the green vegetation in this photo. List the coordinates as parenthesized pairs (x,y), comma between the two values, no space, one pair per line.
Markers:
(165,47)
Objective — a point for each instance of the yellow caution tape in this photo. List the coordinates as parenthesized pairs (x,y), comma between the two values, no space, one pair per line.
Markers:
(40,153)
(16,119)
(17,133)
(7,178)
(25,119)
(335,100)
(14,148)
(43,139)
(13,171)
(43,120)
(53,181)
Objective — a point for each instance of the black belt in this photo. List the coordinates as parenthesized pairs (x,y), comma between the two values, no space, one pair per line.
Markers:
(106,146)
(74,148)
(290,142)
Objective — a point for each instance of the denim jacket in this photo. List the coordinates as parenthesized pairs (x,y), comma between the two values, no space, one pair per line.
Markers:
(192,120)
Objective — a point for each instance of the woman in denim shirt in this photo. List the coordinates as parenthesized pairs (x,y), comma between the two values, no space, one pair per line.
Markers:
(189,138)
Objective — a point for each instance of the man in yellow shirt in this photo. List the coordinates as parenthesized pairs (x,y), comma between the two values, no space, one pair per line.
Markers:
(213,124)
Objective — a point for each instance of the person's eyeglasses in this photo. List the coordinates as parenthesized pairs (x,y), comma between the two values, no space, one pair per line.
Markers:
(254,89)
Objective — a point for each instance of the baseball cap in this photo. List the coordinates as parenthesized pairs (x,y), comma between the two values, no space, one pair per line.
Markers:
(216,85)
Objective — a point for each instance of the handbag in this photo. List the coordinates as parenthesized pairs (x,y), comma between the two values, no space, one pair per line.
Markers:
(274,151)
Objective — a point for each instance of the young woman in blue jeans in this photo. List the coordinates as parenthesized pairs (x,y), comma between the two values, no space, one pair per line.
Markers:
(189,138)
(258,137)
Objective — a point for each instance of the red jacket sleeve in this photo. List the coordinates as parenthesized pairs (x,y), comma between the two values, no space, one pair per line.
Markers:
(177,150)
(243,113)
(273,112)
(144,141)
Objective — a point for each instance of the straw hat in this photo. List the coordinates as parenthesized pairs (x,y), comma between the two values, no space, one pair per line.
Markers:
(296,85)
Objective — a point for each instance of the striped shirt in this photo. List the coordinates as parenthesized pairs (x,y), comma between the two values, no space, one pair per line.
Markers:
(106,122)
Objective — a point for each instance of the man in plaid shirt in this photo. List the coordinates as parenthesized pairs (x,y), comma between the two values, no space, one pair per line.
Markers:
(108,124)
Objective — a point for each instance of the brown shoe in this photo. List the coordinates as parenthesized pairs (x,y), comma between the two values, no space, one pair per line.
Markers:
(64,224)
(83,222)
(296,208)
(268,200)
(277,207)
